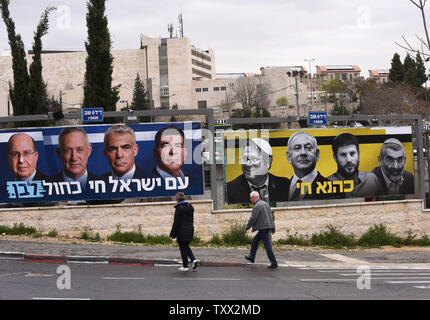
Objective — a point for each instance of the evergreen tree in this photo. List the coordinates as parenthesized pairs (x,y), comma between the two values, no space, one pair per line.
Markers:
(19,91)
(410,71)
(37,90)
(139,95)
(397,71)
(421,71)
(98,90)
(139,98)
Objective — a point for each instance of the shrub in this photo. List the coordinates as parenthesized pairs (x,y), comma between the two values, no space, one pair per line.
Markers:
(333,237)
(236,236)
(378,236)
(295,239)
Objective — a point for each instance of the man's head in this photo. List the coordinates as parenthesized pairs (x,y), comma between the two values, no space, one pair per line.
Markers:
(346,153)
(22,155)
(169,150)
(254,196)
(392,159)
(74,149)
(120,148)
(302,153)
(256,158)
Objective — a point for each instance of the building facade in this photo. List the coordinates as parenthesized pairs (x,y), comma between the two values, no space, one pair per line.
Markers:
(379,76)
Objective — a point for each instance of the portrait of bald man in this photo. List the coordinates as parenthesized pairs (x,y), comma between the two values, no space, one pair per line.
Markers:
(391,172)
(303,155)
(22,156)
(256,161)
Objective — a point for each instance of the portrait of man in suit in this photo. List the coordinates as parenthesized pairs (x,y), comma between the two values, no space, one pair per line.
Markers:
(169,152)
(73,150)
(303,155)
(22,156)
(346,153)
(391,172)
(120,149)
(256,162)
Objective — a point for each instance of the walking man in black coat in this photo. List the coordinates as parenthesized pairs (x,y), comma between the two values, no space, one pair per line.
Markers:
(262,220)
(183,231)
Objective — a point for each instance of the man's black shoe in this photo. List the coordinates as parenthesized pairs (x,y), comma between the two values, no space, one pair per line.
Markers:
(249,259)
(272,266)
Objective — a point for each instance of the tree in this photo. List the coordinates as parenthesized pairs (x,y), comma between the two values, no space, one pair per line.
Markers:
(283,101)
(397,71)
(139,98)
(421,71)
(334,88)
(139,95)
(37,89)
(410,71)
(250,93)
(98,90)
(19,91)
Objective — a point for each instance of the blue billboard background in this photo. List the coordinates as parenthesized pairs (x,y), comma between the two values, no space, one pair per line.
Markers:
(46,140)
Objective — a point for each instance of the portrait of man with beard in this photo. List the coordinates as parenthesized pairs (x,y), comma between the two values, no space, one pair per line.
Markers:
(346,153)
(256,162)
(391,172)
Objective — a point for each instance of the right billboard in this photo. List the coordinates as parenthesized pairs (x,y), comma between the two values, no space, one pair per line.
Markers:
(318,164)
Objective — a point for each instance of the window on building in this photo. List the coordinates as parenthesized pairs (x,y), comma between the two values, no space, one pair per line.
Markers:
(223,89)
(205,89)
(198,89)
(216,88)
(344,76)
(202,104)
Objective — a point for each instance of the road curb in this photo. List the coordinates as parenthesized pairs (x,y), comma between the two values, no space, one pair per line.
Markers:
(60,259)
(88,259)
(12,255)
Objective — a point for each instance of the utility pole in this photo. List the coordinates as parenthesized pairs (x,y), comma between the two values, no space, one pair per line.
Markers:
(310,78)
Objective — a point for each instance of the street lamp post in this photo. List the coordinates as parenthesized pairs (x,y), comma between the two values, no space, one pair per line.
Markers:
(310,80)
(296,74)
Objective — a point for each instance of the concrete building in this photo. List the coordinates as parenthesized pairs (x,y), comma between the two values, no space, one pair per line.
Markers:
(346,73)
(379,76)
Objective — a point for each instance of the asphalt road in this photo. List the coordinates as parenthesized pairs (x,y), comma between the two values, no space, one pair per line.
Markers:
(20,280)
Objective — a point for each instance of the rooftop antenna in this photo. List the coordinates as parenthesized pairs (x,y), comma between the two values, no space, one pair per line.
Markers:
(181,25)
(170,29)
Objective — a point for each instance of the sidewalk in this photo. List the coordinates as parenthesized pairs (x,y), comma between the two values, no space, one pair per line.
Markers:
(222,257)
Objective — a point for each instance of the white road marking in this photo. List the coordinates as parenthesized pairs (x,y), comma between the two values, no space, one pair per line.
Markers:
(389,274)
(206,279)
(36,298)
(341,258)
(121,278)
(422,287)
(371,278)
(406,282)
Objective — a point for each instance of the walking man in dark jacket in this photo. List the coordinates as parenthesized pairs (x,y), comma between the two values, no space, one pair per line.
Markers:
(183,231)
(262,220)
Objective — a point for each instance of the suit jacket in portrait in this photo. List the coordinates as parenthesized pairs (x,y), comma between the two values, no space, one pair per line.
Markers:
(407,187)
(40,176)
(238,190)
(315,195)
(59,177)
(138,174)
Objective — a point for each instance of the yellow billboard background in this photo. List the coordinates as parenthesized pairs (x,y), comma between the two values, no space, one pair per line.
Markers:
(326,165)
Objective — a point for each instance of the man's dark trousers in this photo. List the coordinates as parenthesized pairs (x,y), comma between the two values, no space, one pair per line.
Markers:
(265,235)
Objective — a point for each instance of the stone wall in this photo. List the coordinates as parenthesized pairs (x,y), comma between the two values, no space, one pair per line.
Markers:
(156,218)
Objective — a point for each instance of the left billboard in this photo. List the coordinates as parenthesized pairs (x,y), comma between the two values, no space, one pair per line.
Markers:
(100,162)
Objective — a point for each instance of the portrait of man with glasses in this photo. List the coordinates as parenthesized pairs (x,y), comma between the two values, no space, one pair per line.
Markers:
(256,162)
(391,172)
(22,157)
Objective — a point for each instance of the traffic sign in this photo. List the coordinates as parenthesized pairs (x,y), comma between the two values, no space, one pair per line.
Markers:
(317,118)
(92,115)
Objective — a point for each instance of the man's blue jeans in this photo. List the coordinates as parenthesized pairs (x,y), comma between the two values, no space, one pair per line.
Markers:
(266,236)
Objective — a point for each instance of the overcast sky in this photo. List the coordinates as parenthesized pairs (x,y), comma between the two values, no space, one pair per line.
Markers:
(245,34)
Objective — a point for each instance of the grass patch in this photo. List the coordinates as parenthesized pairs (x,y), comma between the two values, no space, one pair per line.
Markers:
(88,235)
(18,229)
